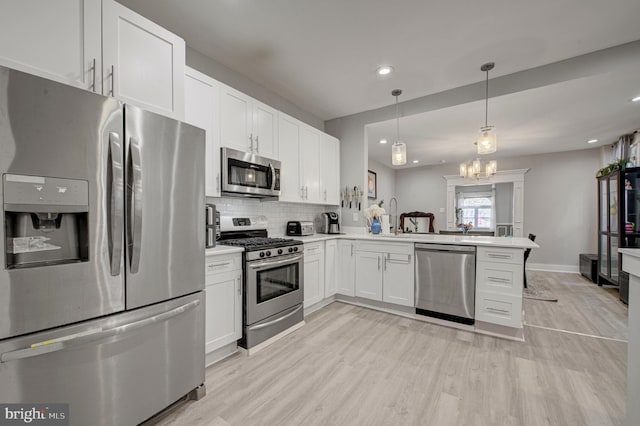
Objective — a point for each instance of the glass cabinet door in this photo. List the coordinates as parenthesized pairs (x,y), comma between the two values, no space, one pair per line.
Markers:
(604,255)
(604,205)
(613,204)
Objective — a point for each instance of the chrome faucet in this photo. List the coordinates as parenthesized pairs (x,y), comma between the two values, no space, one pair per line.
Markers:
(395,217)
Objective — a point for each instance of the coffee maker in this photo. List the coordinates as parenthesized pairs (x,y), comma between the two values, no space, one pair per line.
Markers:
(329,223)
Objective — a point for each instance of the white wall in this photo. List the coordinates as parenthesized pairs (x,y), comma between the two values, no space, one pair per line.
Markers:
(239,82)
(278,213)
(386,178)
(560,201)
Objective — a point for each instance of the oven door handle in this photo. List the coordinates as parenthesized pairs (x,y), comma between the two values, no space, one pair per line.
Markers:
(267,324)
(288,259)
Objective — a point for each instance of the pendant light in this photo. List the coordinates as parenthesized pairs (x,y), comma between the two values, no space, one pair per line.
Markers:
(399,148)
(474,169)
(487,141)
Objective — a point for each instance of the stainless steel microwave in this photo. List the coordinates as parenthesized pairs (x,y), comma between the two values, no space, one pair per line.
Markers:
(249,175)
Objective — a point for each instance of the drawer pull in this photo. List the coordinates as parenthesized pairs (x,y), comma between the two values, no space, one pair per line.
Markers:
(499,256)
(502,311)
(499,280)
(216,265)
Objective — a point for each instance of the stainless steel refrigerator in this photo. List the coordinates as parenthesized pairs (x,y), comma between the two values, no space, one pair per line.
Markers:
(102,275)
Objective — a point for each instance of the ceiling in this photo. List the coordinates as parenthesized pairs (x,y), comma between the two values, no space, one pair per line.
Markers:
(322,55)
(554,118)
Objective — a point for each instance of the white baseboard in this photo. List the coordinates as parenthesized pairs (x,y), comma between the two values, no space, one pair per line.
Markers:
(574,269)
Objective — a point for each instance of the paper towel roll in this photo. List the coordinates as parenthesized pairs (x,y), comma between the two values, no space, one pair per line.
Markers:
(386,228)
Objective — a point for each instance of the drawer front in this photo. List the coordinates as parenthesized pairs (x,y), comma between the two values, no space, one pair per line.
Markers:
(223,263)
(313,248)
(502,278)
(385,247)
(501,309)
(501,255)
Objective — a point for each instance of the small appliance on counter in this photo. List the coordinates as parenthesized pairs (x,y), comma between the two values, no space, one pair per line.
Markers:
(300,228)
(212,225)
(329,223)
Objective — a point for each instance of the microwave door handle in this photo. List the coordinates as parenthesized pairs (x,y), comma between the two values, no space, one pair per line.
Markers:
(116,211)
(135,223)
(273,177)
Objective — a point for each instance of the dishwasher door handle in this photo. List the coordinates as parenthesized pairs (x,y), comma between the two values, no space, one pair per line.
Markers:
(445,247)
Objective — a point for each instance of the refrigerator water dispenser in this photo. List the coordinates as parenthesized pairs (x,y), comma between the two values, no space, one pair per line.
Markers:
(46,221)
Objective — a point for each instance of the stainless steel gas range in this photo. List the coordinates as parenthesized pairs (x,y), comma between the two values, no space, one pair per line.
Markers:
(272,278)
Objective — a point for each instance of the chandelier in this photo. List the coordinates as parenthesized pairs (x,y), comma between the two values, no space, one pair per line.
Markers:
(475,168)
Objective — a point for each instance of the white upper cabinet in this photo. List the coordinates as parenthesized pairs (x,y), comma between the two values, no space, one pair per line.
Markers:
(59,40)
(310,164)
(289,130)
(235,119)
(143,63)
(202,109)
(265,130)
(248,125)
(330,170)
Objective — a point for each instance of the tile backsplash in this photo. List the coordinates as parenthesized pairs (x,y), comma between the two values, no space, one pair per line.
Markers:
(278,213)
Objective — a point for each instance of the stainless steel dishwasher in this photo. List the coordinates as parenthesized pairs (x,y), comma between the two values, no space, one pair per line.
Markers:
(446,282)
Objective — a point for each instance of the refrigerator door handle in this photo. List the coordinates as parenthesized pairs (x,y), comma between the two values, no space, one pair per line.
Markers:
(135,222)
(92,335)
(116,212)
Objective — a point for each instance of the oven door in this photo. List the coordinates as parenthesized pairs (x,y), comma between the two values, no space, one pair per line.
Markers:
(273,285)
(249,174)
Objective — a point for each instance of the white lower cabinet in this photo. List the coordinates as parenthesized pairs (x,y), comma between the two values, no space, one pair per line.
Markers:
(330,267)
(499,277)
(346,268)
(223,294)
(313,273)
(369,275)
(385,271)
(398,281)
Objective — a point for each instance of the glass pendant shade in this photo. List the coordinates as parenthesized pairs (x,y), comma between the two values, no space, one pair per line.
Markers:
(476,167)
(491,168)
(487,140)
(463,170)
(399,154)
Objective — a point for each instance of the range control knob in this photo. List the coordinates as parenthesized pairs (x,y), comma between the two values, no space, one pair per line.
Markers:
(261,254)
(268,253)
(295,249)
(279,251)
(290,249)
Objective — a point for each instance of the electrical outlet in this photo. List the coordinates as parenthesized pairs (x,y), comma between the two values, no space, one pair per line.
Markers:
(355,217)
(441,209)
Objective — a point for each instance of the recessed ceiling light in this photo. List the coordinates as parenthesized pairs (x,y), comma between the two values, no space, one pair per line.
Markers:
(592,141)
(636,99)
(383,141)
(415,161)
(385,70)
(443,161)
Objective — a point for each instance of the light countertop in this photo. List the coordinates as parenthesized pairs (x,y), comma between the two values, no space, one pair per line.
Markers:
(468,240)
(220,249)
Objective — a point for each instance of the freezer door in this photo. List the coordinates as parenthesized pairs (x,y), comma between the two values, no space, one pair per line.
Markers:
(165,228)
(118,370)
(60,157)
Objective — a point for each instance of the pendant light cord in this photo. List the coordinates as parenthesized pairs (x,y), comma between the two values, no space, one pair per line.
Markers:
(397,121)
(486,101)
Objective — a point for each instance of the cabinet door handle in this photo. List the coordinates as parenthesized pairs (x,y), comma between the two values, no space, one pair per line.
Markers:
(93,75)
(351,250)
(325,195)
(113,81)
(499,280)
(218,182)
(251,142)
(257,143)
(378,263)
(501,311)
(306,192)
(216,265)
(302,192)
(384,263)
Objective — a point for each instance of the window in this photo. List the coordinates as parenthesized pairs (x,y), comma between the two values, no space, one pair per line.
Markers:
(477,209)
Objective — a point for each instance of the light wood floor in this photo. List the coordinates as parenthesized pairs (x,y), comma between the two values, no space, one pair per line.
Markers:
(355,366)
